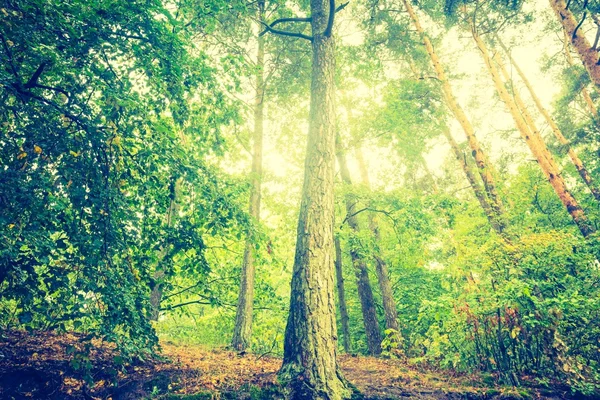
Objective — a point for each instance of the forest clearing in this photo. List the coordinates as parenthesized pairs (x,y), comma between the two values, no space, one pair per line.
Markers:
(300,200)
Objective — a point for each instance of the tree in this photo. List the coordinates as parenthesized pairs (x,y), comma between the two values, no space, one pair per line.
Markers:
(534,140)
(243,321)
(588,54)
(365,291)
(581,169)
(339,277)
(310,369)
(477,152)
(387,295)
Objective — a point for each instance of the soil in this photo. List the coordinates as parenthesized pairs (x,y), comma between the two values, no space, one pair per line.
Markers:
(45,365)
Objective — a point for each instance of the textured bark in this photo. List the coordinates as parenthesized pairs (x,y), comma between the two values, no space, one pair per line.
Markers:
(483,164)
(535,142)
(365,291)
(339,275)
(242,332)
(584,92)
(310,369)
(583,172)
(475,185)
(587,53)
(387,294)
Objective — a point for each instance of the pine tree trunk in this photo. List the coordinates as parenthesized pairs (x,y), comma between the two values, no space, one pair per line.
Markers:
(475,185)
(535,143)
(583,172)
(310,370)
(387,294)
(339,275)
(365,291)
(483,164)
(588,55)
(584,92)
(242,332)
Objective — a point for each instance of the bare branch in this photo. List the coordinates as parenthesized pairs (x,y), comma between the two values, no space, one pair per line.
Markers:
(283,20)
(579,25)
(331,18)
(36,75)
(286,33)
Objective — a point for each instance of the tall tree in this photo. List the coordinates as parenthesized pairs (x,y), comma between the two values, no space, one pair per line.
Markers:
(242,332)
(339,277)
(534,140)
(588,54)
(365,291)
(310,369)
(585,93)
(483,164)
(581,169)
(387,294)
(473,182)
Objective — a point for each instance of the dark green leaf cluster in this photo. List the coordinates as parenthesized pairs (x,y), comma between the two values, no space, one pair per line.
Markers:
(105,109)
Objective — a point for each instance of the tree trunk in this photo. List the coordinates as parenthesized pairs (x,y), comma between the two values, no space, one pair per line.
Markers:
(387,294)
(159,274)
(535,142)
(583,172)
(310,369)
(339,274)
(365,291)
(587,53)
(584,92)
(242,332)
(475,185)
(484,167)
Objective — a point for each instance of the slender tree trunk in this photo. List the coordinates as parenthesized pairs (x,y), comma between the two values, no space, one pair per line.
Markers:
(365,291)
(483,164)
(587,53)
(583,172)
(242,332)
(339,274)
(535,143)
(387,294)
(475,185)
(585,93)
(156,293)
(310,370)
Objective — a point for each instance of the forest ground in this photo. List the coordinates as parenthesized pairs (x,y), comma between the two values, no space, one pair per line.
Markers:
(49,366)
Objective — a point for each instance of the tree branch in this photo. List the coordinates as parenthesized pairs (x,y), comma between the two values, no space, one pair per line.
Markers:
(36,75)
(579,25)
(187,303)
(330,20)
(282,20)
(286,33)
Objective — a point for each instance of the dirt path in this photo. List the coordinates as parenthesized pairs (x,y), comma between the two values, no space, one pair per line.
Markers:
(40,367)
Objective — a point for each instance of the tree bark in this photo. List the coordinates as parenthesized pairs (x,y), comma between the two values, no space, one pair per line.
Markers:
(581,169)
(584,92)
(535,143)
(365,291)
(242,332)
(475,185)
(310,369)
(587,53)
(339,274)
(483,164)
(387,294)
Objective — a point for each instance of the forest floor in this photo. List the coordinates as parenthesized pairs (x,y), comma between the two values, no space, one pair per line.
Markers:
(45,366)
